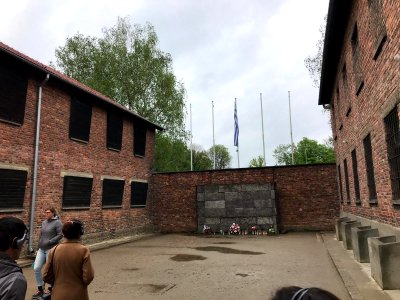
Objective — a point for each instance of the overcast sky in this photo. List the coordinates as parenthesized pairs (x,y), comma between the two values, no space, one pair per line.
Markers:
(221,50)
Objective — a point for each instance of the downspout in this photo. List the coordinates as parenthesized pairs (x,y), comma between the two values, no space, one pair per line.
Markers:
(35,165)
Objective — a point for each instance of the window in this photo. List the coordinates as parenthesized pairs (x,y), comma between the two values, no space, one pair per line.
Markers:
(369,165)
(77,192)
(139,139)
(13,89)
(393,151)
(113,192)
(346,90)
(355,177)
(138,193)
(114,131)
(340,184)
(377,26)
(358,74)
(12,188)
(79,121)
(346,179)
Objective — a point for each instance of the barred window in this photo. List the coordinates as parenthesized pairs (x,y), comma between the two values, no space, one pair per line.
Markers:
(13,90)
(80,119)
(357,70)
(113,192)
(346,179)
(393,151)
(139,138)
(369,165)
(114,131)
(138,194)
(340,184)
(12,188)
(77,192)
(355,177)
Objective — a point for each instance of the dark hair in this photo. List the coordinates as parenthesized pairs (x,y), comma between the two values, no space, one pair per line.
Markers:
(53,210)
(10,228)
(313,293)
(72,229)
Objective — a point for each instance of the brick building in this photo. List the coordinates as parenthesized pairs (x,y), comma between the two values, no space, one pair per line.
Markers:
(94,156)
(360,84)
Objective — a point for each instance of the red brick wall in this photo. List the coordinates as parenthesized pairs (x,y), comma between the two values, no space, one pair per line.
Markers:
(307,196)
(59,153)
(380,94)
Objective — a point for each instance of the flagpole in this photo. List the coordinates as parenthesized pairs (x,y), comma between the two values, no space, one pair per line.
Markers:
(237,128)
(291,133)
(191,140)
(262,127)
(212,102)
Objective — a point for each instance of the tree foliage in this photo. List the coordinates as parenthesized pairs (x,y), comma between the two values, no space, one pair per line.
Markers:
(126,65)
(201,160)
(257,162)
(222,156)
(307,151)
(313,63)
(172,155)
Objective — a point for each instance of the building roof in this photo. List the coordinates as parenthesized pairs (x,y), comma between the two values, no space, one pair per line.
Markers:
(338,17)
(71,82)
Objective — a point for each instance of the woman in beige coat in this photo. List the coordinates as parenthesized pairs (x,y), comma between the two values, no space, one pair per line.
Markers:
(69,268)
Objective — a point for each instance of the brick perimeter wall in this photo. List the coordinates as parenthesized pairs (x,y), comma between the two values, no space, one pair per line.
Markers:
(307,197)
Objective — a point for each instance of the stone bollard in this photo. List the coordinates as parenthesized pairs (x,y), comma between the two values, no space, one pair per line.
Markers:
(345,228)
(384,255)
(359,241)
(337,227)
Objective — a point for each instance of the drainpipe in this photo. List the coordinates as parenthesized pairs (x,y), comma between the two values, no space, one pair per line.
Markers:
(35,165)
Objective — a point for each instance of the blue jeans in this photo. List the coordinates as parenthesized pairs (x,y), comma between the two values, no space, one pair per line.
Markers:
(40,260)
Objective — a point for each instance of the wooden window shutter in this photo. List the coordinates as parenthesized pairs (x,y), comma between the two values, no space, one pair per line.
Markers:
(114,130)
(80,119)
(77,192)
(113,192)
(12,188)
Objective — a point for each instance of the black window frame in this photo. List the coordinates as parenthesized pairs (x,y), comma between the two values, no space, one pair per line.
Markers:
(357,68)
(115,127)
(80,120)
(139,139)
(12,188)
(139,190)
(392,135)
(13,93)
(356,177)
(80,197)
(340,184)
(346,180)
(369,168)
(112,193)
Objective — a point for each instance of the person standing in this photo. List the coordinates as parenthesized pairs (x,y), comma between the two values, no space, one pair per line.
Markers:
(13,234)
(50,235)
(69,268)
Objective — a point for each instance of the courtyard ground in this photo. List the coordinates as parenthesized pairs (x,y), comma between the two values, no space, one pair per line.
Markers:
(178,266)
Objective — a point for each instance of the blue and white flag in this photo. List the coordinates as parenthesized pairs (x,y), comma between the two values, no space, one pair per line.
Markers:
(236,135)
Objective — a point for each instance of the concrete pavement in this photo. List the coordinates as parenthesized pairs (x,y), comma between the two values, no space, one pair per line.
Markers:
(230,267)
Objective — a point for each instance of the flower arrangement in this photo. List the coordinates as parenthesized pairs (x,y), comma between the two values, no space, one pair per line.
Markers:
(206,229)
(253,229)
(234,229)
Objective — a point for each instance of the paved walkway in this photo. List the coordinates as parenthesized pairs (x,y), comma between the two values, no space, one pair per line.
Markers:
(223,267)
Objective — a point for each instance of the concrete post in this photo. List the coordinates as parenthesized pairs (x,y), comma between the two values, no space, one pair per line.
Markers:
(359,237)
(345,228)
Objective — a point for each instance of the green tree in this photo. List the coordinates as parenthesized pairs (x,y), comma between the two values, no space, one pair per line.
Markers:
(172,155)
(307,151)
(201,161)
(222,156)
(257,162)
(126,65)
(313,62)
